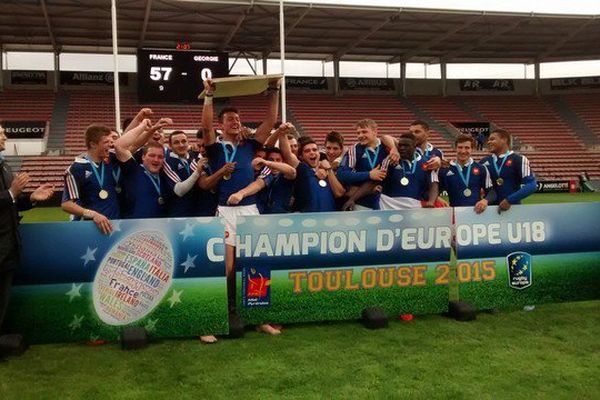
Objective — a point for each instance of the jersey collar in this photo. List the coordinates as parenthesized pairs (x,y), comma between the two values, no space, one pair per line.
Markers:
(456,163)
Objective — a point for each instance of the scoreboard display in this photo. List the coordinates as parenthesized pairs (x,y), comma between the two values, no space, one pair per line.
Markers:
(175,76)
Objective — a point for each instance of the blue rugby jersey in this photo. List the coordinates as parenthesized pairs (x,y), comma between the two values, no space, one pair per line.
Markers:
(207,200)
(514,172)
(451,181)
(82,187)
(177,169)
(310,196)
(279,195)
(243,174)
(355,167)
(418,179)
(142,191)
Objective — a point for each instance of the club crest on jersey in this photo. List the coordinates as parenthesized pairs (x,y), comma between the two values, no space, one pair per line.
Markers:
(520,268)
(256,287)
(509,162)
(475,171)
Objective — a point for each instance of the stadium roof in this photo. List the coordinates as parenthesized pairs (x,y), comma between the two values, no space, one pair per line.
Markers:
(313,31)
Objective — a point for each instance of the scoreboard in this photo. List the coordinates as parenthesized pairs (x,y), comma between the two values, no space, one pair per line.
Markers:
(175,76)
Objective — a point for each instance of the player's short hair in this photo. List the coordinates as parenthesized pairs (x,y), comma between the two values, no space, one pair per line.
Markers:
(94,133)
(462,138)
(302,139)
(303,142)
(408,135)
(423,124)
(200,134)
(226,110)
(270,150)
(174,133)
(366,123)
(503,133)
(150,145)
(335,137)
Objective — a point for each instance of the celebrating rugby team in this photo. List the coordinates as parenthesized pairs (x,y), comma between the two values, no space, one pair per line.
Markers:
(142,174)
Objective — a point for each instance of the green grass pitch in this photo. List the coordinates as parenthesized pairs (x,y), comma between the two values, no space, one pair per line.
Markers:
(549,353)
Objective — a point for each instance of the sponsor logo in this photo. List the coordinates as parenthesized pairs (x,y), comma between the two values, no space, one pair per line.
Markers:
(520,269)
(256,285)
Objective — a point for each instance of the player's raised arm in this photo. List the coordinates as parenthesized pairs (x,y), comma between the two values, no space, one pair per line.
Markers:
(264,130)
(287,170)
(144,113)
(284,145)
(207,113)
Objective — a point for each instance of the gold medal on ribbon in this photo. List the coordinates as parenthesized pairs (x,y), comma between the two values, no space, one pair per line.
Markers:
(103,194)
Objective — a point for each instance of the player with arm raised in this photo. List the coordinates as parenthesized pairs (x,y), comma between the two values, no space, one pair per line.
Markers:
(317,186)
(230,149)
(146,187)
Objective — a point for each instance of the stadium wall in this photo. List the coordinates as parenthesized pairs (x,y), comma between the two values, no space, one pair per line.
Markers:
(414,87)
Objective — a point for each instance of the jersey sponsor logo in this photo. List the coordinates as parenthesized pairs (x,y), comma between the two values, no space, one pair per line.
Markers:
(520,268)
(180,166)
(88,174)
(450,173)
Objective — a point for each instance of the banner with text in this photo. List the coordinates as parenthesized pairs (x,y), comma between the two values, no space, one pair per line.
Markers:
(486,85)
(28,77)
(85,78)
(330,266)
(75,284)
(367,84)
(530,254)
(301,82)
(24,129)
(473,128)
(588,82)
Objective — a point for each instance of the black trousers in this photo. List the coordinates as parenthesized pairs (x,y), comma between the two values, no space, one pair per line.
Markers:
(7,269)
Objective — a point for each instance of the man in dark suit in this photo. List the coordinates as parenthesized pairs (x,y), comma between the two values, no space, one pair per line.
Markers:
(12,200)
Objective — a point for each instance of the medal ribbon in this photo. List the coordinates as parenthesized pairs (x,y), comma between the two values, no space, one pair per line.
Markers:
(466,179)
(412,170)
(116,175)
(155,179)
(100,176)
(368,155)
(495,159)
(229,156)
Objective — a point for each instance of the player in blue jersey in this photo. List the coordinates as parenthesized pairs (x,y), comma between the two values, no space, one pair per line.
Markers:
(146,187)
(431,155)
(404,183)
(273,186)
(181,177)
(334,149)
(511,175)
(279,194)
(362,162)
(317,186)
(208,199)
(233,148)
(464,179)
(90,187)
